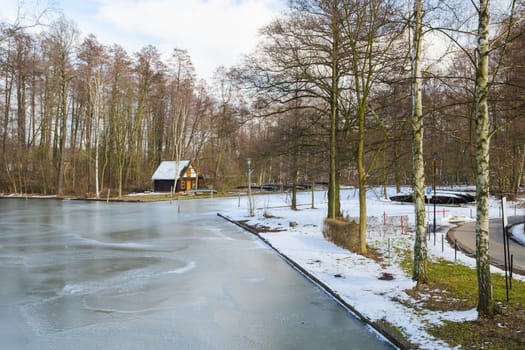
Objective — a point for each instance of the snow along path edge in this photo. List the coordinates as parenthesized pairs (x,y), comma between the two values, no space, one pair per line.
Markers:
(380,328)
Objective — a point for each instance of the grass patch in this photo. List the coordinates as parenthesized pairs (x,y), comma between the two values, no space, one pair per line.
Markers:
(505,331)
(459,285)
(406,259)
(453,287)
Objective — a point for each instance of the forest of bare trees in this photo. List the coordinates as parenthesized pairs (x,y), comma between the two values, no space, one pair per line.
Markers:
(78,117)
(326,97)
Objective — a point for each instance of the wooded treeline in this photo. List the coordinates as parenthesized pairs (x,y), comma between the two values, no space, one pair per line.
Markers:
(349,63)
(79,117)
(326,97)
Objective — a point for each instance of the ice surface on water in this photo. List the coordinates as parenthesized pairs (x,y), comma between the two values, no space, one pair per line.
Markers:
(71,289)
(143,276)
(127,245)
(255,279)
(184,269)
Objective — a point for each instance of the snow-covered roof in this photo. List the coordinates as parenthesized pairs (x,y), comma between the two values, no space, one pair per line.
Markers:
(167,169)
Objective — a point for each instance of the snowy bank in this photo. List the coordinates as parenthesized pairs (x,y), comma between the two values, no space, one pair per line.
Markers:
(375,291)
(518,234)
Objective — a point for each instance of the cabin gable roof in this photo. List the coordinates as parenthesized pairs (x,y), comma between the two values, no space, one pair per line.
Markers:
(167,168)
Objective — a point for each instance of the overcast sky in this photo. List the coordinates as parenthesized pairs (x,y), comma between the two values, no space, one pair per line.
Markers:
(214,32)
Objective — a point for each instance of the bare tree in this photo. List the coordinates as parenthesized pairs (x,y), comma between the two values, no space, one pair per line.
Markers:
(60,43)
(224,120)
(304,52)
(180,106)
(93,56)
(120,111)
(420,249)
(371,41)
(486,305)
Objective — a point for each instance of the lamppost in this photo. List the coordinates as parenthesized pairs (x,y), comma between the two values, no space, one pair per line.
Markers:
(250,186)
(434,157)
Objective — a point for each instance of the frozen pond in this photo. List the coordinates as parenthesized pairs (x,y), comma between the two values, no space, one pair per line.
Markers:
(91,275)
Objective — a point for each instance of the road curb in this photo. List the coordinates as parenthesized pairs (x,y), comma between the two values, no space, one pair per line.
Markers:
(379,327)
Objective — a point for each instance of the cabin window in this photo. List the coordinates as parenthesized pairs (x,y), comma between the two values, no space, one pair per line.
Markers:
(183,185)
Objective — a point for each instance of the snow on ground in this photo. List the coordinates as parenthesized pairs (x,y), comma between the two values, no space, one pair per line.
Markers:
(23,195)
(518,233)
(298,235)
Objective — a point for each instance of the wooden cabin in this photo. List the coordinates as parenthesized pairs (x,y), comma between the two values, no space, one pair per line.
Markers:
(165,176)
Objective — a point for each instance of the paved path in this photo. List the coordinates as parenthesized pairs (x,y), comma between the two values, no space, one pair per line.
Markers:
(465,236)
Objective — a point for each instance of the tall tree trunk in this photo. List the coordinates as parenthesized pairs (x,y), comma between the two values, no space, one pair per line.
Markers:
(8,88)
(361,173)
(518,169)
(295,173)
(486,306)
(420,245)
(62,138)
(95,90)
(97,187)
(333,186)
(397,167)
(334,204)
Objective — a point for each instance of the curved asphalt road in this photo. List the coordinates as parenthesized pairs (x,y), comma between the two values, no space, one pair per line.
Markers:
(465,236)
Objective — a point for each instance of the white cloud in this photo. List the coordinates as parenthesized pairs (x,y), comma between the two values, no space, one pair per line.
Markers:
(438,51)
(215,32)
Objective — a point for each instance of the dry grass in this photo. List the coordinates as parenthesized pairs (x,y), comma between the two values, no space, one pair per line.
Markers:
(343,232)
